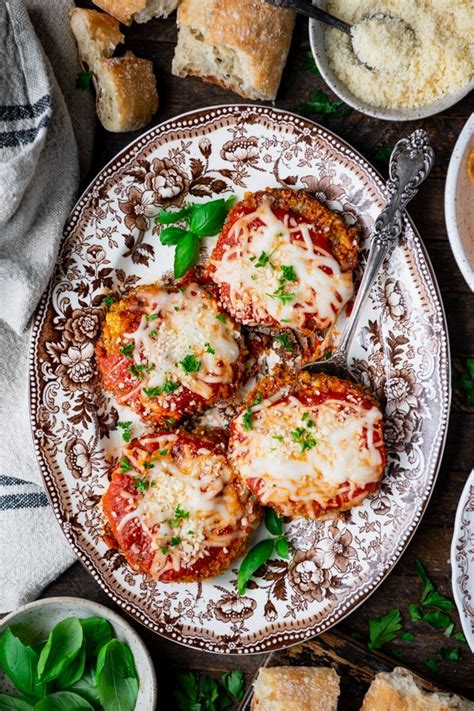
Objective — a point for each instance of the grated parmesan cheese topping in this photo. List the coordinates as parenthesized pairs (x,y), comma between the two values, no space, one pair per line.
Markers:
(383,43)
(306,453)
(440,62)
(320,288)
(179,326)
(185,505)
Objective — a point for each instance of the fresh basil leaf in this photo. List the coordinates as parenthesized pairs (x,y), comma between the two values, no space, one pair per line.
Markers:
(414,610)
(230,202)
(86,687)
(436,619)
(167,217)
(74,671)
(97,632)
(207,219)
(13,703)
(273,522)
(257,556)
(171,235)
(63,645)
(64,701)
(20,664)
(186,254)
(282,547)
(117,680)
(233,682)
(384,629)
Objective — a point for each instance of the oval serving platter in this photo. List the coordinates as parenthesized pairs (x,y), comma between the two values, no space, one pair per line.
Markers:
(111,244)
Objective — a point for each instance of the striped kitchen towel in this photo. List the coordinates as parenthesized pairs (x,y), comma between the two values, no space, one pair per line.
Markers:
(46,132)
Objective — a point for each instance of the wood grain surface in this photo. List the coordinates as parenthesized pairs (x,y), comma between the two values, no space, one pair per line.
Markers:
(431,543)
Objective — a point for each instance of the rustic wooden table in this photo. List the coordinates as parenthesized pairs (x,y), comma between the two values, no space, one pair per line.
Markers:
(431,542)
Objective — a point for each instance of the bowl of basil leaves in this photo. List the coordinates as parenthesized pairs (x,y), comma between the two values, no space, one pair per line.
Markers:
(66,653)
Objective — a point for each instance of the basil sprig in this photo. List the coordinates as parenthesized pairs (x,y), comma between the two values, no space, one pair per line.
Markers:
(263,550)
(80,666)
(203,220)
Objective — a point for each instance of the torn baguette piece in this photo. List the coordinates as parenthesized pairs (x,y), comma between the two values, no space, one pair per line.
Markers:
(128,11)
(97,35)
(126,92)
(241,46)
(298,688)
(400,690)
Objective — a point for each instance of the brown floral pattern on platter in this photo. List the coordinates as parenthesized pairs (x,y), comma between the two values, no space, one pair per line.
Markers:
(462,560)
(112,244)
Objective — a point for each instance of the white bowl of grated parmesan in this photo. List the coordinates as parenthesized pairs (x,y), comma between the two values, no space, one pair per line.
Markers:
(407,75)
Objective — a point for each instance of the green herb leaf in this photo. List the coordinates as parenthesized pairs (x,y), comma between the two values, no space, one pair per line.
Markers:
(186,254)
(64,701)
(304,438)
(97,632)
(273,522)
(449,630)
(209,348)
(289,274)
(141,484)
(127,350)
(13,703)
(116,676)
(310,64)
(282,547)
(247,420)
(63,645)
(86,687)
(84,81)
(263,259)
(222,318)
(74,671)
(382,154)
(428,586)
(126,428)
(255,558)
(281,295)
(198,693)
(384,629)
(125,465)
(207,219)
(441,602)
(108,301)
(233,682)
(166,217)
(460,637)
(407,636)
(414,610)
(171,235)
(432,665)
(257,399)
(451,654)
(436,619)
(20,663)
(465,382)
(284,341)
(320,103)
(190,364)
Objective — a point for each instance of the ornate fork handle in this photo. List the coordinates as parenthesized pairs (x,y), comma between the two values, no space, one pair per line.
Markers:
(410,163)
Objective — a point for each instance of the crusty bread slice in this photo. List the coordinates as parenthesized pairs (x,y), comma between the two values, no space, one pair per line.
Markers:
(126,92)
(96,33)
(400,690)
(296,688)
(241,46)
(138,10)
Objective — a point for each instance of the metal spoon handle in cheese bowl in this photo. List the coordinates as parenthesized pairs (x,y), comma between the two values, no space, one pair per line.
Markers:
(303,7)
(410,163)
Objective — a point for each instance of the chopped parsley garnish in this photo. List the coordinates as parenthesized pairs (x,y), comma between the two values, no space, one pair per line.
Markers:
(153,334)
(279,438)
(136,371)
(108,301)
(125,465)
(175,541)
(151,317)
(281,295)
(169,386)
(152,392)
(209,348)
(264,259)
(289,274)
(327,354)
(384,629)
(163,452)
(306,418)
(148,465)
(169,421)
(141,484)
(247,419)
(164,549)
(179,515)
(221,317)
(190,364)
(127,350)
(304,438)
(258,399)
(176,308)
(126,428)
(283,339)
(465,382)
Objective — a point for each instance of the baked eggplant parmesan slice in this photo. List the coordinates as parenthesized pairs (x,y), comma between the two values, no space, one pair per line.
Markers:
(284,260)
(309,445)
(169,351)
(176,508)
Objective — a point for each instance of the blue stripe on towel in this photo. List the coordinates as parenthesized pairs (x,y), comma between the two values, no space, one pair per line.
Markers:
(25,111)
(9,139)
(23,501)
(11,481)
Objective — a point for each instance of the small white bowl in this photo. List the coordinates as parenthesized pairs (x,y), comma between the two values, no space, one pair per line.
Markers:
(316,39)
(459,204)
(38,618)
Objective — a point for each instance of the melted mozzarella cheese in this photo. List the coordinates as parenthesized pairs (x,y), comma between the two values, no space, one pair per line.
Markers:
(186,325)
(321,289)
(185,505)
(339,450)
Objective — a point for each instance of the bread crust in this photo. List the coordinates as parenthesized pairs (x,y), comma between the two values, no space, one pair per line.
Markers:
(123,10)
(258,34)
(301,688)
(97,35)
(127,96)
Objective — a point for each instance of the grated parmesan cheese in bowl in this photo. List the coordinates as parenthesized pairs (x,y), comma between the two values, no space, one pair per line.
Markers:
(434,63)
